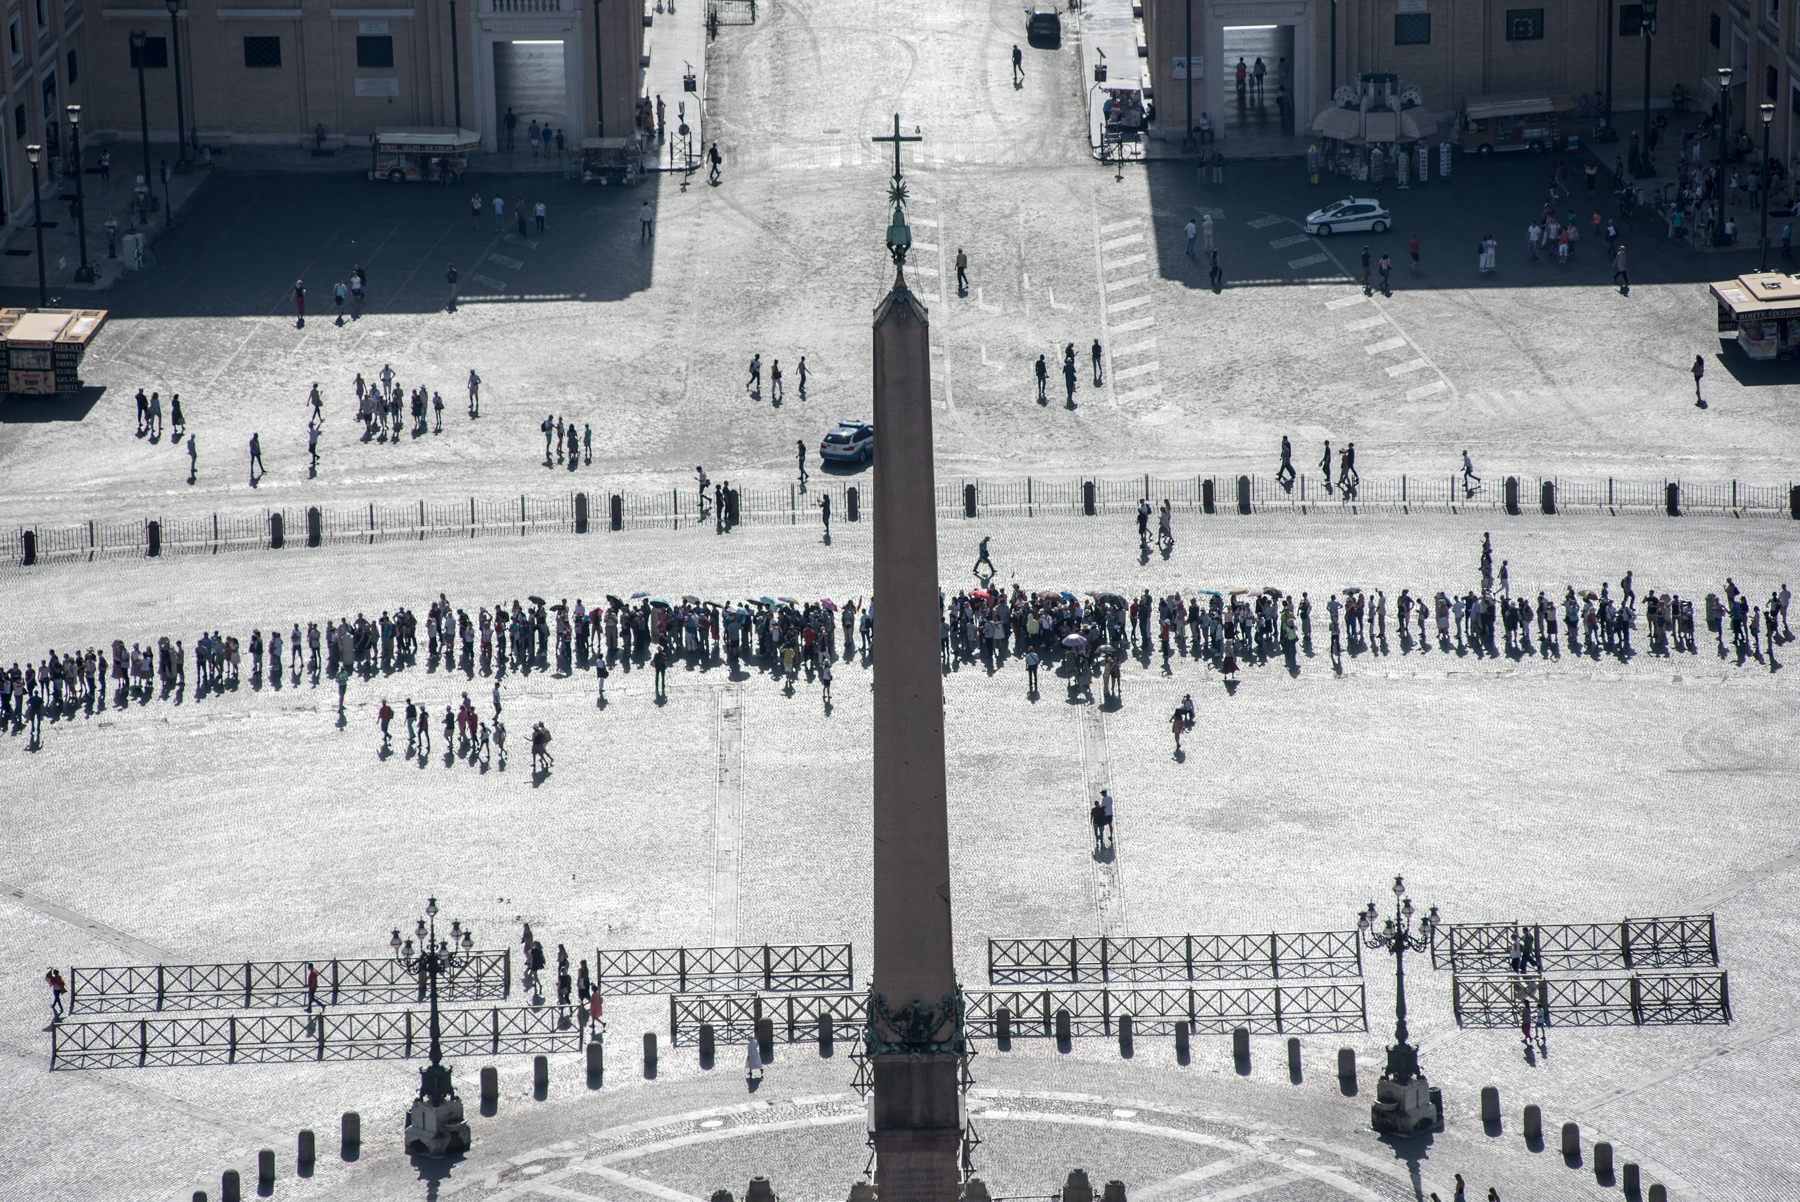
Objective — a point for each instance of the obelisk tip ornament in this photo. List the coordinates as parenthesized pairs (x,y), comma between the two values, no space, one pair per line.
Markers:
(914,1028)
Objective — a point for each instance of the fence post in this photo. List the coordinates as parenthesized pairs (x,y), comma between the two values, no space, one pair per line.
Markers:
(681,971)
(277,536)
(1087,497)
(1190,957)
(315,522)
(1403,489)
(1243,494)
(232,1035)
(495,1018)
(1637,1001)
(506,991)
(969,507)
(408,1016)
(159,990)
(1625,941)
(768,968)
(1074,976)
(1672,498)
(1206,494)
(1105,967)
(153,536)
(581,513)
(248,969)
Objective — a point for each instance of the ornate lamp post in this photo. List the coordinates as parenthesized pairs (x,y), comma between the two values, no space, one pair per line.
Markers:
(85,273)
(180,116)
(1724,131)
(137,54)
(434,1124)
(455,66)
(599,87)
(33,154)
(1768,118)
(1647,30)
(1403,1095)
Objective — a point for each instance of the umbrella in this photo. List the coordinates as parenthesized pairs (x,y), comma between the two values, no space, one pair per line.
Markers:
(535,599)
(789,601)
(659,603)
(689,599)
(1272,591)
(635,596)
(1074,640)
(1113,599)
(982,593)
(1351,589)
(560,608)
(829,604)
(766,600)
(1208,592)
(1236,592)
(1066,595)
(614,600)
(1588,594)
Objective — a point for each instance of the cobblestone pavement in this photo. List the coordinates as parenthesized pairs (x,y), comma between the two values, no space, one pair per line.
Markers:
(1560,790)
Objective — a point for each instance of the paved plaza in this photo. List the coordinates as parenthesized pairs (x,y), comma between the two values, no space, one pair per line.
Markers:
(1554,784)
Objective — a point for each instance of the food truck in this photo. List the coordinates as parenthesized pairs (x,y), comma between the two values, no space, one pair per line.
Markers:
(422,154)
(611,160)
(1762,312)
(43,348)
(1512,121)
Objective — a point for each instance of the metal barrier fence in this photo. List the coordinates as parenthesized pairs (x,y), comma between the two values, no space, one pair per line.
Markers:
(734,1016)
(808,967)
(1077,960)
(1273,1009)
(287,1038)
(278,984)
(1683,941)
(1498,1000)
(777,505)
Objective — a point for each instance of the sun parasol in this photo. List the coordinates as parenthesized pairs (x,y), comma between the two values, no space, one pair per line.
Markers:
(689,599)
(1066,595)
(1074,640)
(614,600)
(659,603)
(535,599)
(829,605)
(1113,599)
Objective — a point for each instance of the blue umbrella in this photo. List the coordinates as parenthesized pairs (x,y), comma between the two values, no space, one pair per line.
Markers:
(1066,595)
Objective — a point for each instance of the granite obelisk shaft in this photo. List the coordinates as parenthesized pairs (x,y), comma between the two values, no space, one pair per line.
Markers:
(916,1121)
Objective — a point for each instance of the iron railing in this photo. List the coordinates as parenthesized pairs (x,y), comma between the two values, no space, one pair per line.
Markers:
(789,505)
(1272,1009)
(1498,1000)
(767,967)
(275,985)
(187,1040)
(733,1017)
(1076,960)
(1683,941)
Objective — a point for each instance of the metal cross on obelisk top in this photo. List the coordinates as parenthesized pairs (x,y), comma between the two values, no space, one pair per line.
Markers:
(897,138)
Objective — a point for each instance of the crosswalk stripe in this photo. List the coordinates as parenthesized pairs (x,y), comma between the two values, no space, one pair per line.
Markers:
(1343,301)
(1139,394)
(1309,260)
(1263,223)
(1425,390)
(1121,306)
(1401,369)
(1386,344)
(1127,261)
(1290,240)
(1135,347)
(1112,227)
(1116,243)
(1140,323)
(1367,323)
(1141,369)
(1127,282)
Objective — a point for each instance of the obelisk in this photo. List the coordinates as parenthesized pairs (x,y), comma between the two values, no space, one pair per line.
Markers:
(914,1034)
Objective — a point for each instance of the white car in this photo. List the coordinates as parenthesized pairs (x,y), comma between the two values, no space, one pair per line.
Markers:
(1350,213)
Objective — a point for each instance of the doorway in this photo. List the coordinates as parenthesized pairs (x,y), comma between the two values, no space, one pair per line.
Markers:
(528,82)
(1268,110)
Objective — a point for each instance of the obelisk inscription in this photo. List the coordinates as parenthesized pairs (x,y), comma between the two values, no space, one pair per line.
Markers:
(915,1010)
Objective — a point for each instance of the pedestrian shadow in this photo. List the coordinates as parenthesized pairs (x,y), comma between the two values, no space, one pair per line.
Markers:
(32,410)
(1106,853)
(1180,756)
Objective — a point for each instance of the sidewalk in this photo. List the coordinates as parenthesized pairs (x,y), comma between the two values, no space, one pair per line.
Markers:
(62,256)
(675,45)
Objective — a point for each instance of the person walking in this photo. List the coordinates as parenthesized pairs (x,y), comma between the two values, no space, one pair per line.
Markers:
(383,716)
(800,451)
(193,460)
(1069,380)
(450,279)
(1699,369)
(754,384)
(712,174)
(1106,817)
(753,1062)
(1043,376)
(1176,726)
(1031,671)
(1094,353)
(1468,474)
(1412,247)
(1215,273)
(539,211)
(981,557)
(338,293)
(1190,230)
(500,201)
(801,372)
(475,209)
(1365,269)
(775,381)
(962,272)
(1018,66)
(312,987)
(1386,268)
(54,979)
(300,304)
(1206,233)
(1284,475)
(312,447)
(825,513)
(1325,466)
(256,463)
(646,222)
(1620,275)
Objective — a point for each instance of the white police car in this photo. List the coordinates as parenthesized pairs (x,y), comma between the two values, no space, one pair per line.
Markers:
(1350,213)
(849,442)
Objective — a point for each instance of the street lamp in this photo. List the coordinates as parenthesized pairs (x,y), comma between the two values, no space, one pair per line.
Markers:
(1403,1095)
(1724,128)
(1768,116)
(33,153)
(435,1123)
(599,88)
(180,118)
(84,273)
(137,53)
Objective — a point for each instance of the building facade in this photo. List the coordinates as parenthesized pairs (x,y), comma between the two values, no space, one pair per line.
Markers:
(1454,50)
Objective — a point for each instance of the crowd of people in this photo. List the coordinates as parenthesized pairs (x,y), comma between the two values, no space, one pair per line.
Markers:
(1082,636)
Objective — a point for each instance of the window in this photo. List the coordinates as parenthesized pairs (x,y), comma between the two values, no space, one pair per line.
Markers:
(1524,24)
(1412,29)
(262,52)
(1631,20)
(19,122)
(73,73)
(375,52)
(40,16)
(1794,101)
(12,31)
(1713,31)
(1773,11)
(1771,82)
(155,54)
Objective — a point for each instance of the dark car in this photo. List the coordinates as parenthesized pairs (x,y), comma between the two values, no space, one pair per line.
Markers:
(1044,24)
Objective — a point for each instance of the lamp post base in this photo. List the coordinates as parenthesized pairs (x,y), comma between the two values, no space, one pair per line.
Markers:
(436,1128)
(1403,1107)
